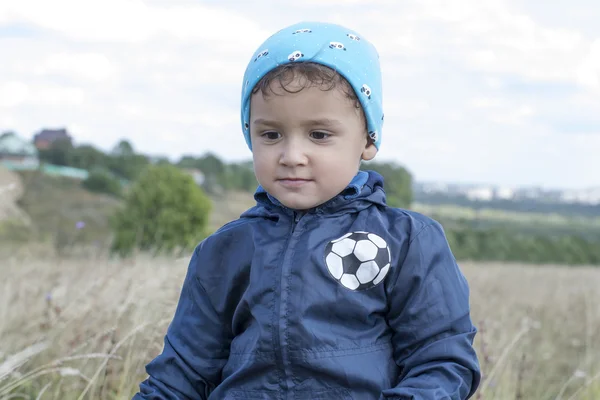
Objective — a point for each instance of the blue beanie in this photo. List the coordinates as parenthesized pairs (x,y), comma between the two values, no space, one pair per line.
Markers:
(331,45)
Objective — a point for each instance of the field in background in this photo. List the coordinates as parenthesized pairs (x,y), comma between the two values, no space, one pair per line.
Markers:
(553,224)
(84,329)
(460,212)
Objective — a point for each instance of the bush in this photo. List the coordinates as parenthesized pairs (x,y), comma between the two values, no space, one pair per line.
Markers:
(102,182)
(504,245)
(164,211)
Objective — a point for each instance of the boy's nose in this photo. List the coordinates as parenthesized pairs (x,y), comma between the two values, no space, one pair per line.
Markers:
(292,154)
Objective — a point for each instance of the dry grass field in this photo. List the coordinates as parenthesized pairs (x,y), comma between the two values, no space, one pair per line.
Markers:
(85,328)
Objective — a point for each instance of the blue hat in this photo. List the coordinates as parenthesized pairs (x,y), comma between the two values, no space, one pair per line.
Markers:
(334,46)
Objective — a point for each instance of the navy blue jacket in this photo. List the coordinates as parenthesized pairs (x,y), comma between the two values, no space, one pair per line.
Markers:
(267,312)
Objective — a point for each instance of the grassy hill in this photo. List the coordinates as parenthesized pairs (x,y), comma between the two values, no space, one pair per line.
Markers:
(55,205)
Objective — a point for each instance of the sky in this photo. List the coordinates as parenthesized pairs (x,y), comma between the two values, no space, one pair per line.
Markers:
(505,92)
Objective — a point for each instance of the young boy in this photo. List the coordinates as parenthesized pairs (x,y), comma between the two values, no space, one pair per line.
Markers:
(320,291)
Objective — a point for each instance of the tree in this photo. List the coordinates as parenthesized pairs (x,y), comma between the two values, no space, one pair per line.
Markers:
(240,177)
(123,148)
(216,175)
(164,211)
(87,157)
(210,164)
(128,167)
(125,163)
(59,153)
(397,182)
(102,182)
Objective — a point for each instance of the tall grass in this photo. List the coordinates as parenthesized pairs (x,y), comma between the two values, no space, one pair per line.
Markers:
(85,328)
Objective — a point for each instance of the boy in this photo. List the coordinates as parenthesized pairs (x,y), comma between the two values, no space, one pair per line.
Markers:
(320,291)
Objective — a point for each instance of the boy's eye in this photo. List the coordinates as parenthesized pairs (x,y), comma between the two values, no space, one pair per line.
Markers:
(271,135)
(319,135)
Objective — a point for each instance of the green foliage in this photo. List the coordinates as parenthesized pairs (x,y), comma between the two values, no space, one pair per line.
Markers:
(125,163)
(87,157)
(505,245)
(164,211)
(122,161)
(397,182)
(219,176)
(240,177)
(128,167)
(102,182)
(123,148)
(58,154)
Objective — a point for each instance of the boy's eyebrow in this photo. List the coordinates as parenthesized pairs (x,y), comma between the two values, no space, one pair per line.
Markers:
(266,122)
(320,121)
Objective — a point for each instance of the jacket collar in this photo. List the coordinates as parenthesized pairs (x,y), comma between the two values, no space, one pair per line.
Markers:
(365,189)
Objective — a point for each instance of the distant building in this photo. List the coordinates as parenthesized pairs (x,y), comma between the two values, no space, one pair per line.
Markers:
(586,196)
(505,193)
(480,193)
(16,150)
(196,174)
(45,138)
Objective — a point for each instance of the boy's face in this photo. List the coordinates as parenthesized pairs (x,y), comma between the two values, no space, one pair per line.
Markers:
(306,146)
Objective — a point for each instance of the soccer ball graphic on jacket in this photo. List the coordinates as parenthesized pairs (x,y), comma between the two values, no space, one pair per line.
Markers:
(358,260)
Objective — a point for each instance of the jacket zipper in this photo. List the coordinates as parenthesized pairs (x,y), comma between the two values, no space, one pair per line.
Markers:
(283,308)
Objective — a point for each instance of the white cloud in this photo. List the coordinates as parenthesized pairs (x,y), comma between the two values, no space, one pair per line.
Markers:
(14,94)
(493,38)
(132,21)
(487,102)
(119,20)
(407,109)
(228,31)
(588,72)
(515,116)
(502,111)
(91,66)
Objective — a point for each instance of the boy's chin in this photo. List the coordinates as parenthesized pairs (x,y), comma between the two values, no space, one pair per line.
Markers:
(302,204)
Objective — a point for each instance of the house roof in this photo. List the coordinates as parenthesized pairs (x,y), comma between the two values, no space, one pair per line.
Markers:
(52,134)
(12,144)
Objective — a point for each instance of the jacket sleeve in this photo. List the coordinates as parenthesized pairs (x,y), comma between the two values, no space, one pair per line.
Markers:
(196,346)
(430,316)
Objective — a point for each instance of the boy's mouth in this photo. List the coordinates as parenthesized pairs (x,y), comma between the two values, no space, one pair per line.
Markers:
(293,181)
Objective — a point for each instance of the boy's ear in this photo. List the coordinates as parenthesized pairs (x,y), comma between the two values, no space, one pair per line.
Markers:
(369,152)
